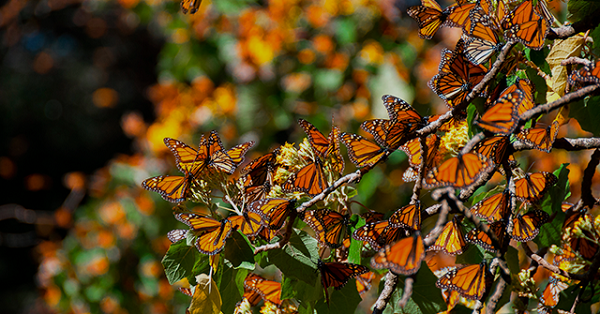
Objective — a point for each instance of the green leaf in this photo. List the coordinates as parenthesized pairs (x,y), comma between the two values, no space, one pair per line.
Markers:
(179,261)
(355,246)
(587,114)
(567,298)
(539,82)
(299,258)
(426,297)
(201,266)
(301,291)
(581,9)
(229,290)
(512,260)
(471,111)
(344,300)
(239,252)
(551,233)
(473,255)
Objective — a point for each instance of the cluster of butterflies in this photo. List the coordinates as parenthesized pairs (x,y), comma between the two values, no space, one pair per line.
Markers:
(573,248)
(395,243)
(482,24)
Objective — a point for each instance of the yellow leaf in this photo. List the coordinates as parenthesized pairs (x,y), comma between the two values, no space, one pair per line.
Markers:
(206,298)
(562,49)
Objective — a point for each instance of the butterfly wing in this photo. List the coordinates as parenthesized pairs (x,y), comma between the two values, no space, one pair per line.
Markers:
(186,157)
(495,148)
(408,217)
(172,188)
(480,238)
(362,152)
(526,227)
(502,117)
(273,211)
(330,226)
(378,234)
(451,240)
(541,138)
(493,208)
(461,171)
(533,186)
(470,281)
(310,180)
(429,17)
(337,274)
(404,257)
(177,235)
(249,223)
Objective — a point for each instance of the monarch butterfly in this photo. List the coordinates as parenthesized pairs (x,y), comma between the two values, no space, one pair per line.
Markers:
(326,148)
(525,86)
(329,225)
(456,76)
(177,235)
(362,152)
(413,149)
(461,171)
(480,238)
(404,119)
(533,186)
(399,109)
(482,44)
(212,233)
(470,281)
(502,117)
(586,75)
(249,223)
(268,290)
(495,148)
(337,274)
(191,6)
(493,208)
(408,217)
(260,170)
(174,189)
(273,211)
(430,16)
(551,294)
(527,25)
(372,216)
(404,257)
(363,282)
(451,240)
(310,179)
(526,227)
(541,139)
(209,153)
(378,234)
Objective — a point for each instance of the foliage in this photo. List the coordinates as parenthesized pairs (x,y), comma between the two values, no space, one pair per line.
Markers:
(248,69)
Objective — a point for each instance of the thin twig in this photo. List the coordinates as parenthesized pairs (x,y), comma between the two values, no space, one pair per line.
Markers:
(407,293)
(566,99)
(555,269)
(586,183)
(421,173)
(391,280)
(349,178)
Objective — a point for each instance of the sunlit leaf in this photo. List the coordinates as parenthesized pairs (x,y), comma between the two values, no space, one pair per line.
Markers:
(206,298)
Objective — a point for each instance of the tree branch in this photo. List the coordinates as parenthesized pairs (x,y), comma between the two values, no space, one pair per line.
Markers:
(391,280)
(586,183)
